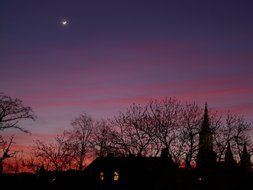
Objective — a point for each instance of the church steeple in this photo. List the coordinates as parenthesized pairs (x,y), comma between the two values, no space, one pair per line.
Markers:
(229,159)
(206,156)
(245,162)
(206,135)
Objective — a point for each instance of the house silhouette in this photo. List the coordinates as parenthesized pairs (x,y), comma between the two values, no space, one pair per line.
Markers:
(130,173)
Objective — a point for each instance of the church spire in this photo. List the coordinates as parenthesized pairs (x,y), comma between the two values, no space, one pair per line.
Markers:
(206,135)
(245,162)
(229,159)
(206,156)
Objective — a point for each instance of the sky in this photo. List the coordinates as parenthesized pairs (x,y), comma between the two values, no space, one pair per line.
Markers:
(115,53)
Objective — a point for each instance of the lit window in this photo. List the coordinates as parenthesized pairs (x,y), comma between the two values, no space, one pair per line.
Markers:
(115,176)
(101,176)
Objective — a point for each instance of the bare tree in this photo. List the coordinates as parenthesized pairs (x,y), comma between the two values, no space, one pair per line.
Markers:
(5,151)
(56,156)
(130,133)
(102,139)
(223,135)
(234,131)
(12,111)
(32,163)
(80,138)
(190,126)
(166,117)
(14,165)
(241,135)
(69,149)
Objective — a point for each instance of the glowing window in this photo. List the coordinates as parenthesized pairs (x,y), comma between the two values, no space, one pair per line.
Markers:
(101,176)
(115,176)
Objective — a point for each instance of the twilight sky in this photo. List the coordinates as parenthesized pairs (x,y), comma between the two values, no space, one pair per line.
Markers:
(114,53)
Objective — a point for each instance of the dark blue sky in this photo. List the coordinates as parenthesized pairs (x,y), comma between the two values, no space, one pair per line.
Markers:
(32,23)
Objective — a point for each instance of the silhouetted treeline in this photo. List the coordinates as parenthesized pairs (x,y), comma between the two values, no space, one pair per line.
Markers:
(144,131)
(140,130)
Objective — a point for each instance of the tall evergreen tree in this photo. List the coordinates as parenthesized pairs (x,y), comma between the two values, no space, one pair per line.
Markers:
(206,156)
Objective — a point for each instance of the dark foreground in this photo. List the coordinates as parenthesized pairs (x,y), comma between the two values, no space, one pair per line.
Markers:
(174,180)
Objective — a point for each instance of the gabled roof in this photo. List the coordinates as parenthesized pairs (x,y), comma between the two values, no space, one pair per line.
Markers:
(133,172)
(130,163)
